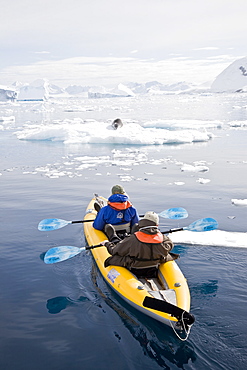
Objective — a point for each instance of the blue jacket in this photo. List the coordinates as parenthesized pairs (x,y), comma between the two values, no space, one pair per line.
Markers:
(119,211)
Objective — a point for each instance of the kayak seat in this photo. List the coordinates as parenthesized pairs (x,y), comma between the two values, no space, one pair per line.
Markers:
(165,295)
(97,207)
(151,284)
(169,295)
(154,287)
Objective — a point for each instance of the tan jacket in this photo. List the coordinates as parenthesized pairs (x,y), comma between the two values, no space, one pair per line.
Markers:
(132,253)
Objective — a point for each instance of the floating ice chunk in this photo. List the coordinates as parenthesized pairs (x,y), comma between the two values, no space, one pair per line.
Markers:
(73,131)
(55,174)
(200,163)
(237,124)
(79,109)
(179,183)
(42,169)
(239,202)
(126,178)
(157,162)
(126,169)
(212,238)
(202,180)
(7,119)
(191,168)
(183,124)
(86,165)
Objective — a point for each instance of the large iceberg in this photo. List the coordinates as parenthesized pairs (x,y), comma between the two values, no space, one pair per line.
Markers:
(233,78)
(157,88)
(7,93)
(77,90)
(37,90)
(120,91)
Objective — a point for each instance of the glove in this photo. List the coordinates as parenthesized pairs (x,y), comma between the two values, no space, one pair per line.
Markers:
(174,256)
(104,242)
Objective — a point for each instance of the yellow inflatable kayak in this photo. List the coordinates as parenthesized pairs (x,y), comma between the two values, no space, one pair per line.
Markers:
(166,298)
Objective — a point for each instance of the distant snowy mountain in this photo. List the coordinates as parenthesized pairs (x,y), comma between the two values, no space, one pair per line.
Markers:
(233,78)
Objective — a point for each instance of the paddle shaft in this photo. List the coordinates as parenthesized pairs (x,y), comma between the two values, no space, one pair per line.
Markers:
(172,231)
(93,246)
(82,221)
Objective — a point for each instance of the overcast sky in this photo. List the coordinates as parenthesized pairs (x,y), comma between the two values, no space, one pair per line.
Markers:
(99,41)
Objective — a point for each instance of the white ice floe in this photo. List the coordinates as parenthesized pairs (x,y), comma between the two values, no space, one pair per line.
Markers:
(238,124)
(179,183)
(126,178)
(183,124)
(196,168)
(7,119)
(75,108)
(74,131)
(203,181)
(239,202)
(218,238)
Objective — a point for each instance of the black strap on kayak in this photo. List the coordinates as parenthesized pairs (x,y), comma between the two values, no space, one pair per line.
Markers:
(163,306)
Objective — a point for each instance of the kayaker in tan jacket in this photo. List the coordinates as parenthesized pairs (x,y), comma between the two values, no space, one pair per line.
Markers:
(143,251)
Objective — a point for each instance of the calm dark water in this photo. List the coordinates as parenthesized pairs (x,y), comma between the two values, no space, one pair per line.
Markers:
(64,316)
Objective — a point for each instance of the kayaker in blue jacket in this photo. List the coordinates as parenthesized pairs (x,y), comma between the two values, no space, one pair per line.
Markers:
(118,217)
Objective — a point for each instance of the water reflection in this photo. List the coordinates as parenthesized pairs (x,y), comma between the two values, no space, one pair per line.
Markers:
(157,342)
(205,290)
(57,304)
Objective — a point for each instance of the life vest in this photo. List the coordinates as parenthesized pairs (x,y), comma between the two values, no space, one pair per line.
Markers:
(148,238)
(120,206)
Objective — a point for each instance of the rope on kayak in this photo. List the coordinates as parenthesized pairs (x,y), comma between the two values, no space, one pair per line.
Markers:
(184,328)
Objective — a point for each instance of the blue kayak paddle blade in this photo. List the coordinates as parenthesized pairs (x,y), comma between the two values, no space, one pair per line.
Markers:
(204,224)
(62,253)
(52,224)
(174,213)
